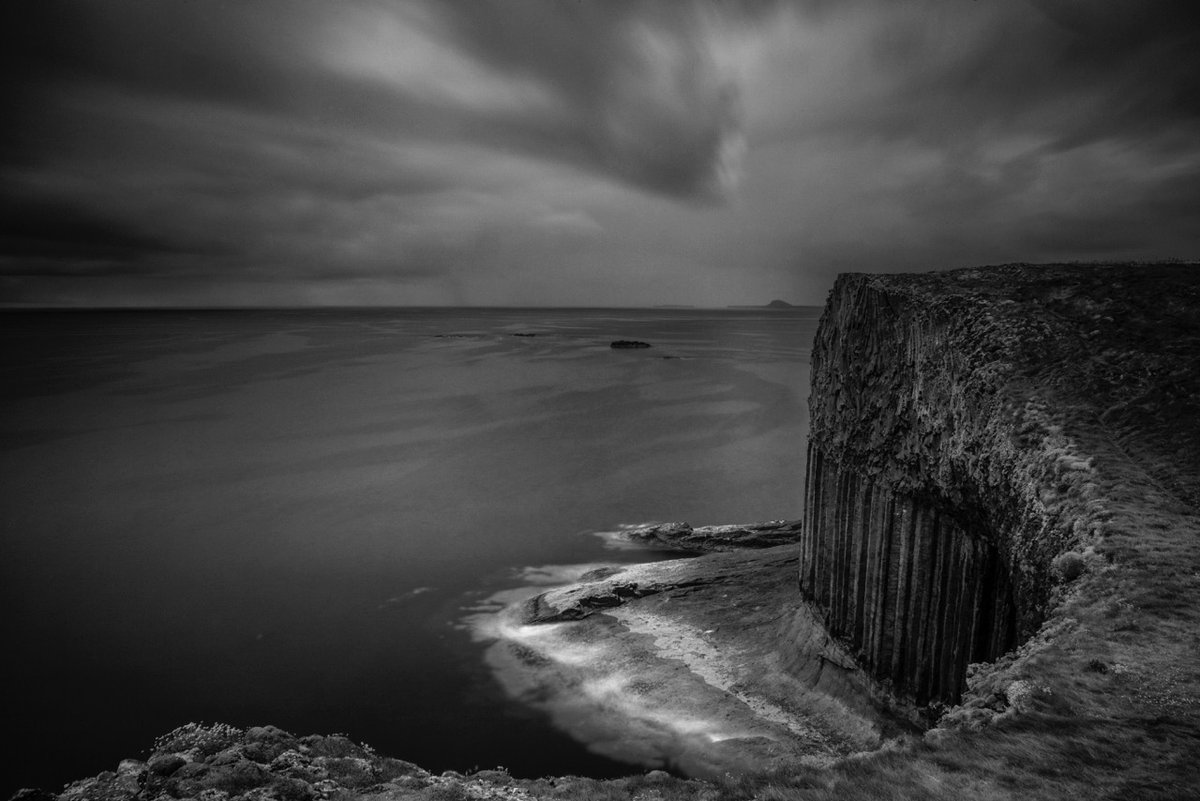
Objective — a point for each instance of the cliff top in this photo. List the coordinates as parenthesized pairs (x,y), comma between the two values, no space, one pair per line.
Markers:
(1120,342)
(1054,412)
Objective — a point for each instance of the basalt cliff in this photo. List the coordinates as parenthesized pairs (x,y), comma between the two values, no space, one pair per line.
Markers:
(1003,511)
(995,592)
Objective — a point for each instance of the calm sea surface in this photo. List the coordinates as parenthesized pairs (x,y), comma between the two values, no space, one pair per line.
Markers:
(279,516)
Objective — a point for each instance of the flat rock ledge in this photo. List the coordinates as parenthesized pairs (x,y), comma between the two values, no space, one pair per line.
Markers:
(709,657)
(606,588)
(704,539)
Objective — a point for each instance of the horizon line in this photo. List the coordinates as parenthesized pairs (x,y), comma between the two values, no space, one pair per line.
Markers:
(317,307)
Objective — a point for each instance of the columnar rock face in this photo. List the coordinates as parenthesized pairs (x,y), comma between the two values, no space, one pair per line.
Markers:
(945,473)
(917,593)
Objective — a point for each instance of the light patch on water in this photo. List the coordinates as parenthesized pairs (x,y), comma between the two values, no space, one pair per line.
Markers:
(629,697)
(619,539)
(677,640)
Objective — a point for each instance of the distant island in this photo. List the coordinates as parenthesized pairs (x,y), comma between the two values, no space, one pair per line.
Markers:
(775,304)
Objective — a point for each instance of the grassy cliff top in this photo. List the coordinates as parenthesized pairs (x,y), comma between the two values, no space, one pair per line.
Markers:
(1117,342)
(1096,369)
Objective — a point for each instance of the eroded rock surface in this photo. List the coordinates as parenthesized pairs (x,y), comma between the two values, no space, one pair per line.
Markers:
(683,537)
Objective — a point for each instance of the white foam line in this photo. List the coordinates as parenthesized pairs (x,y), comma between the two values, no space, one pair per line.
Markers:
(677,640)
(594,691)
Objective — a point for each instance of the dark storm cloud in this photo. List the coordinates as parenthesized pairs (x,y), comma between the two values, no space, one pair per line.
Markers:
(41,237)
(631,87)
(930,135)
(515,150)
(298,134)
(637,79)
(1079,70)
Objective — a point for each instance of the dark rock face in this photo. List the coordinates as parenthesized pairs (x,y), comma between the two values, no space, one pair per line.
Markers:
(918,595)
(946,474)
(628,344)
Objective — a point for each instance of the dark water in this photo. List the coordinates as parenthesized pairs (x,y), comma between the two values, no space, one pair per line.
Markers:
(279,516)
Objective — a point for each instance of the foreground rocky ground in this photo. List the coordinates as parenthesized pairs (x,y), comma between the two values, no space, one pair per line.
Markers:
(218,762)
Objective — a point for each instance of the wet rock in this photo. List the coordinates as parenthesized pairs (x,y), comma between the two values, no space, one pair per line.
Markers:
(579,601)
(263,752)
(289,789)
(270,734)
(191,770)
(683,537)
(237,777)
(166,764)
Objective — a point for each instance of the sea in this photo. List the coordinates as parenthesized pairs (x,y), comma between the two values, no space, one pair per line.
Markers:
(285,516)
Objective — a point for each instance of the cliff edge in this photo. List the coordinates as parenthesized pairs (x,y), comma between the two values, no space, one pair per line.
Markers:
(1003,507)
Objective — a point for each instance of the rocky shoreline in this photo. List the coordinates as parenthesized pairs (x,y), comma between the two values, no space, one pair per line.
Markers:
(695,640)
(678,663)
(699,646)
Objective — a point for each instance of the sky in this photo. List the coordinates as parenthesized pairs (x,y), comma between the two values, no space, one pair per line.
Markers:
(581,152)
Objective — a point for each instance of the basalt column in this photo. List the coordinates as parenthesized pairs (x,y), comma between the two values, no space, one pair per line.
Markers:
(924,547)
(906,585)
